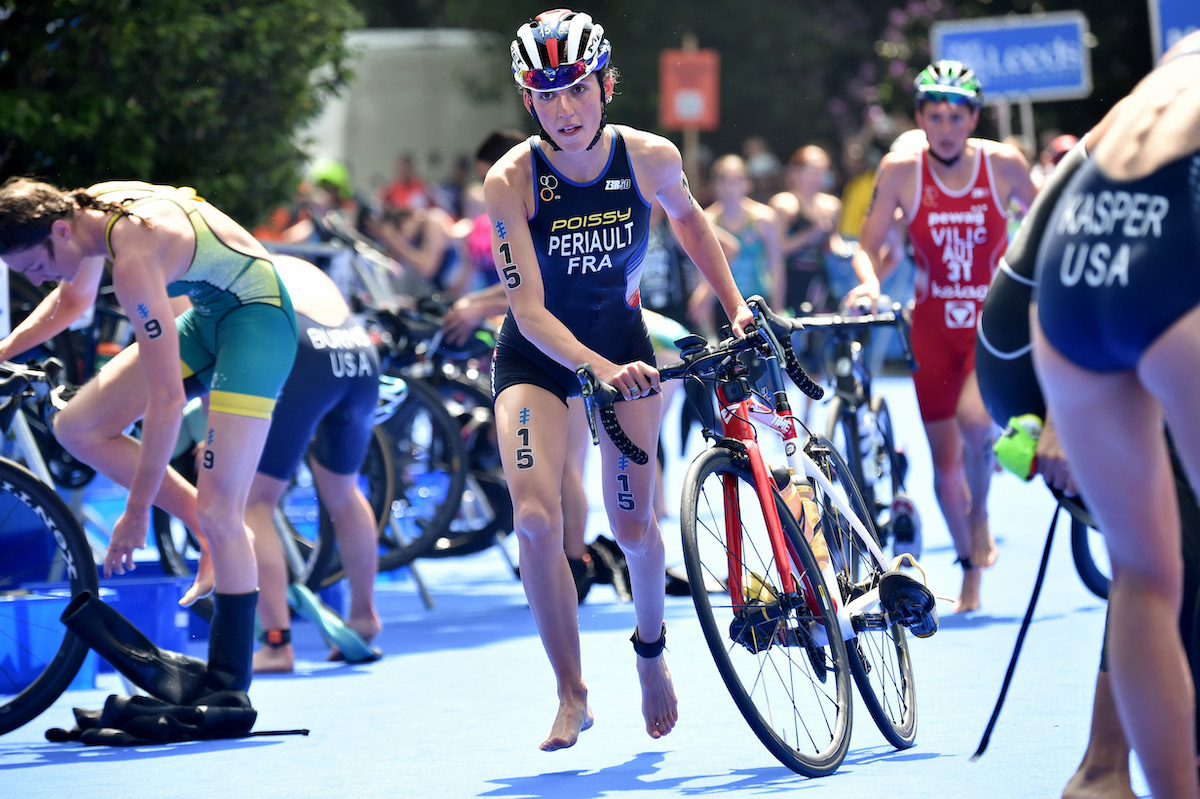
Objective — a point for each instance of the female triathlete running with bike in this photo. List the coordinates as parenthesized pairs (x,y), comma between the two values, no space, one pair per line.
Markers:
(570,212)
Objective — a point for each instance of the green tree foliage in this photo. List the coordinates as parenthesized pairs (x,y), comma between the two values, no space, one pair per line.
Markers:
(203,94)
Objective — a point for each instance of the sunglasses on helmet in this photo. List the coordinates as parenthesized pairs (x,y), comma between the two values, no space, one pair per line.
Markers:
(947,94)
(553,78)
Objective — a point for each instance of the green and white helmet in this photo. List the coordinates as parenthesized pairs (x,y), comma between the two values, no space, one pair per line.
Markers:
(948,82)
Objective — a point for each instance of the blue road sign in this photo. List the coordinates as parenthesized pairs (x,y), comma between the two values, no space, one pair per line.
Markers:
(1043,57)
(1170,21)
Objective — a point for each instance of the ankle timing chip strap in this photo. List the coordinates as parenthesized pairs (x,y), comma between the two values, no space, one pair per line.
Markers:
(276,638)
(652,649)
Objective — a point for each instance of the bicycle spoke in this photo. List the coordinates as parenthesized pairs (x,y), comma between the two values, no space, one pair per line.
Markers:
(791,684)
(878,654)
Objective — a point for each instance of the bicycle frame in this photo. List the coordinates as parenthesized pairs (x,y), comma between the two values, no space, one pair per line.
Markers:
(740,408)
(736,416)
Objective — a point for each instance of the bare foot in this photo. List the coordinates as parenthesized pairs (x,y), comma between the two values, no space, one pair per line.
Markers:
(202,586)
(968,598)
(274,660)
(366,626)
(659,705)
(983,546)
(574,716)
(1107,784)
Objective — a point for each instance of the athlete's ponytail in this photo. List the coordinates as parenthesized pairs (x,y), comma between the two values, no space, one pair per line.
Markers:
(28,208)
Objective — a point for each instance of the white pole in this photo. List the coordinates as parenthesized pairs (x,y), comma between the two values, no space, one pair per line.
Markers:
(1003,119)
(1027,131)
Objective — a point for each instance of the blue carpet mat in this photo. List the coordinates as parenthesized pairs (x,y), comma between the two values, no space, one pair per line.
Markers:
(464,693)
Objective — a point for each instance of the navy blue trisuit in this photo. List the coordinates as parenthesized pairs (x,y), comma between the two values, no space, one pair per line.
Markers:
(1119,263)
(590,239)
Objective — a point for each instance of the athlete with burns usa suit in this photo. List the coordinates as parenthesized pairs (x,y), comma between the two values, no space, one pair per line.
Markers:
(570,213)
(954,194)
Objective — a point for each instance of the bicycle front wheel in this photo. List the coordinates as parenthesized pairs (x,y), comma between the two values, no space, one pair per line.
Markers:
(46,562)
(878,653)
(788,676)
(888,467)
(870,452)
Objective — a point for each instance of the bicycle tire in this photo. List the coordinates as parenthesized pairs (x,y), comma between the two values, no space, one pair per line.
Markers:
(842,432)
(430,475)
(891,465)
(485,514)
(878,653)
(54,541)
(773,667)
(885,462)
(1083,539)
(377,480)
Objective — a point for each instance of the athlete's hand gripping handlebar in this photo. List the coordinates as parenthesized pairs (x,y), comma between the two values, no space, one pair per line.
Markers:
(598,397)
(771,336)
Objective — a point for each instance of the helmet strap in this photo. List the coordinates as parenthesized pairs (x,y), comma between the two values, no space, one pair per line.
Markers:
(546,138)
(603,125)
(595,139)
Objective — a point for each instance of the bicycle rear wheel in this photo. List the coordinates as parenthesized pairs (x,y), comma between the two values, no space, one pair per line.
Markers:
(430,474)
(485,515)
(46,562)
(878,654)
(786,675)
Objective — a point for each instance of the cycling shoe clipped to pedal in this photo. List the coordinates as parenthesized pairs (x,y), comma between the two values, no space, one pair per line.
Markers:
(756,624)
(909,602)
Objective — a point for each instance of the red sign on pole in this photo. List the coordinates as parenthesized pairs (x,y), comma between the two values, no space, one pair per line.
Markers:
(689,89)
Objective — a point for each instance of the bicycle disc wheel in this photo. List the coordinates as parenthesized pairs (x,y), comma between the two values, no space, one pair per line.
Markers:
(46,562)
(878,654)
(1091,557)
(430,475)
(788,678)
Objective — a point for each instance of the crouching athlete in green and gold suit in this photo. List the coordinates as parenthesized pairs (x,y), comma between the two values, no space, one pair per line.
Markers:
(239,340)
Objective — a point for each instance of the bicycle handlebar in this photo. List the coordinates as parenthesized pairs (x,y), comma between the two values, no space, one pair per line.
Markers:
(36,380)
(771,334)
(851,323)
